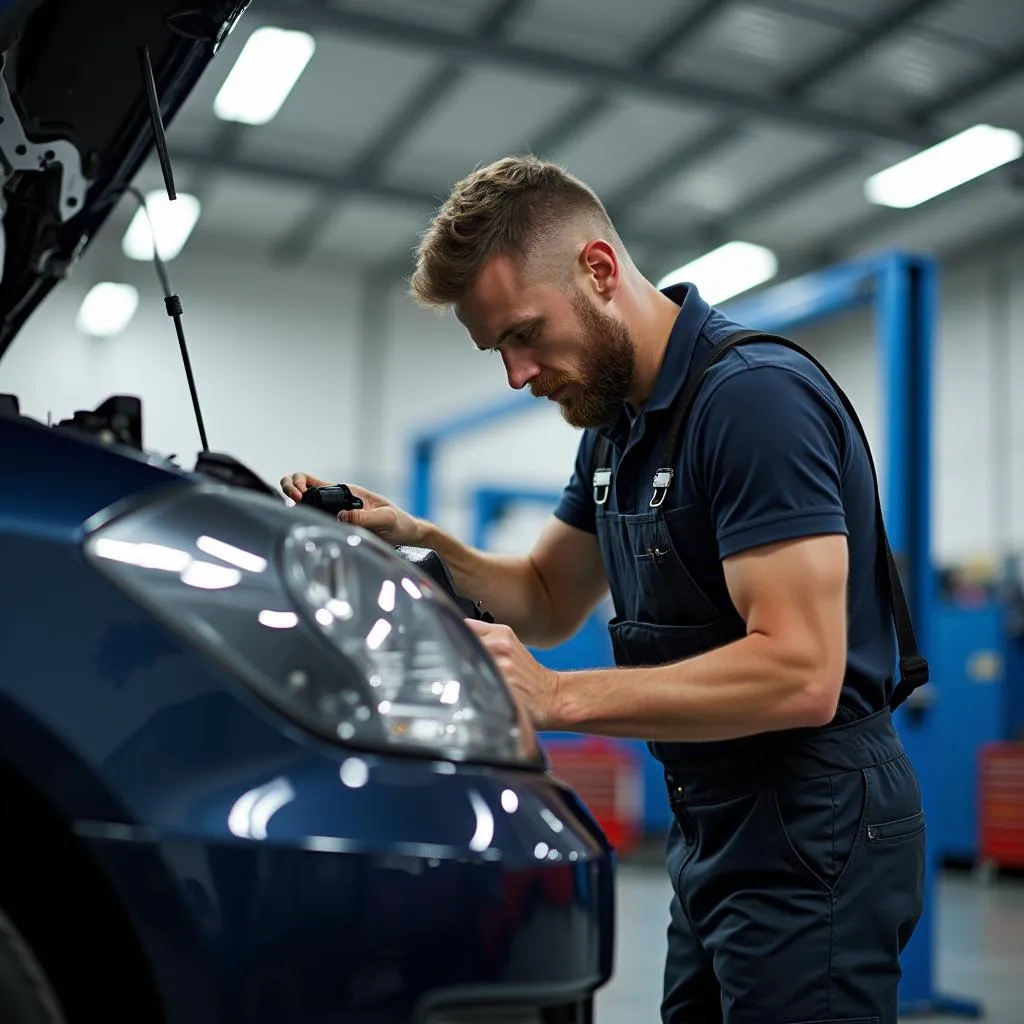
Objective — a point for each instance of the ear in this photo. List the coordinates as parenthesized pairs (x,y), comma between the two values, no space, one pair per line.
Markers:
(601,266)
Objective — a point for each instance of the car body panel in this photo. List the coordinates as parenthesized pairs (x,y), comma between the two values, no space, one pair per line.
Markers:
(268,867)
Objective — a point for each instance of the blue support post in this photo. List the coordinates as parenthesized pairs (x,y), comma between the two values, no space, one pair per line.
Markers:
(906,310)
(488,506)
(421,479)
(424,446)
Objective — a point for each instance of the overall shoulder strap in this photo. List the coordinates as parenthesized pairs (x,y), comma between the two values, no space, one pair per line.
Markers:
(913,666)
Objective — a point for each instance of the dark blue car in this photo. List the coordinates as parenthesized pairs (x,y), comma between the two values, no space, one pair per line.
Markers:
(253,765)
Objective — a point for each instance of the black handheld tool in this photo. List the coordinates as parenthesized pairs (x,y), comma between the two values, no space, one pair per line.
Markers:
(332,499)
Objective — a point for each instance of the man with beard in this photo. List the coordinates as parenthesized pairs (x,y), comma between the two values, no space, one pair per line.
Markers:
(723,491)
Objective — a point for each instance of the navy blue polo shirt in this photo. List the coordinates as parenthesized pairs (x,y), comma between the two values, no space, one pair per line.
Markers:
(768,454)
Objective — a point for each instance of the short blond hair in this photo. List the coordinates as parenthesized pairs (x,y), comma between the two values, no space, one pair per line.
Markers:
(512,207)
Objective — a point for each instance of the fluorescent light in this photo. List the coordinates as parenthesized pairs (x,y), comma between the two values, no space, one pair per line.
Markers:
(173,221)
(107,309)
(960,158)
(726,271)
(264,74)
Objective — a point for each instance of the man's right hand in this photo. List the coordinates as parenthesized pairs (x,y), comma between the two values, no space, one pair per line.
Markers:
(378,515)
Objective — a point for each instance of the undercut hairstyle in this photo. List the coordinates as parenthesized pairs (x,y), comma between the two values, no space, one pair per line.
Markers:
(519,206)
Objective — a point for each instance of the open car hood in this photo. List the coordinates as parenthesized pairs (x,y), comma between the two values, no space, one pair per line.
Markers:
(75,124)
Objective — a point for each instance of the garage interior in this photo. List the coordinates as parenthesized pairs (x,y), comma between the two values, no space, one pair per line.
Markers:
(754,132)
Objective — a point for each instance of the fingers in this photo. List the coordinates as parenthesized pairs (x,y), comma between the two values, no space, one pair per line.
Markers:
(374,519)
(496,632)
(377,514)
(498,638)
(294,485)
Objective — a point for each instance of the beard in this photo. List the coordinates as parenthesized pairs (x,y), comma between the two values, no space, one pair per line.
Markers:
(607,361)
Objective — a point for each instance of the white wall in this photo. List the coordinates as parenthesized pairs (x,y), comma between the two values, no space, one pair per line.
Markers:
(271,355)
(292,375)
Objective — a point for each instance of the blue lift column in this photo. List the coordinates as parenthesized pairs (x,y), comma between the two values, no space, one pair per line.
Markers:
(907,309)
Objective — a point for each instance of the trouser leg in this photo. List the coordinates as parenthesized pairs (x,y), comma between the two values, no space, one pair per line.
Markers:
(805,894)
(691,994)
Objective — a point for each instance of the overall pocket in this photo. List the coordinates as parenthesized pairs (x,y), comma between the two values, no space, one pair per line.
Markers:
(883,894)
(641,643)
(666,589)
(821,820)
(897,830)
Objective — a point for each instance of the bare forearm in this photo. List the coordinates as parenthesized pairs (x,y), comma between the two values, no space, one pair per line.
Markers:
(744,688)
(507,586)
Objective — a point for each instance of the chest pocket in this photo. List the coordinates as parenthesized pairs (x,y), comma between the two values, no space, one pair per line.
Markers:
(666,591)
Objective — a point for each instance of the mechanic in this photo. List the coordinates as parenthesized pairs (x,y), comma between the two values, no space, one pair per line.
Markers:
(753,631)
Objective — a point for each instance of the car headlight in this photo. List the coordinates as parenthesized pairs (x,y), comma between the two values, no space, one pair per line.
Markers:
(322,620)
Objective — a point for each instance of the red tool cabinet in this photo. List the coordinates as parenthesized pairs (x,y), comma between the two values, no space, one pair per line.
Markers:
(1001,804)
(608,778)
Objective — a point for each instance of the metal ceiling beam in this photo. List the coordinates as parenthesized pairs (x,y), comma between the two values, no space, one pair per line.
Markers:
(667,167)
(788,188)
(669,38)
(598,75)
(294,175)
(999,72)
(888,24)
(713,233)
(290,175)
(301,238)
(572,123)
(795,89)
(372,162)
(650,56)
(836,162)
(842,20)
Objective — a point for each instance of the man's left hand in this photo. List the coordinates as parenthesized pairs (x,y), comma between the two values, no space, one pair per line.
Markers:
(534,686)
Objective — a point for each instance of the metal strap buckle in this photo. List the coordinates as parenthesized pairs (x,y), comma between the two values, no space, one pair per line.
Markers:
(602,485)
(914,670)
(662,479)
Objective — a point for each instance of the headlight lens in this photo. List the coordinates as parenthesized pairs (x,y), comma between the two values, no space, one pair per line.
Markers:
(324,621)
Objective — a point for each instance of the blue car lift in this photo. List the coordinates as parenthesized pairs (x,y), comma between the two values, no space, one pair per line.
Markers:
(903,291)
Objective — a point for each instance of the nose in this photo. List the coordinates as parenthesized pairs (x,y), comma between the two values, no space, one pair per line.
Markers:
(519,368)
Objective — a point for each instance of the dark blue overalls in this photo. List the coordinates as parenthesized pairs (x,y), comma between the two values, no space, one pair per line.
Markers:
(796,858)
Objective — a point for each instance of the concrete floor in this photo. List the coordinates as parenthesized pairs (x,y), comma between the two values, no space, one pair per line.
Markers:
(981,946)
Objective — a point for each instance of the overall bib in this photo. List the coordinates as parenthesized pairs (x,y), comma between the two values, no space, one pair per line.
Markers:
(796,858)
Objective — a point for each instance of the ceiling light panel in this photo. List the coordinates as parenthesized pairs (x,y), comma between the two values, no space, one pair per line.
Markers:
(264,75)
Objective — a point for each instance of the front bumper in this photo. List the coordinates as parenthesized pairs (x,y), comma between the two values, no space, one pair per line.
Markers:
(427,895)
